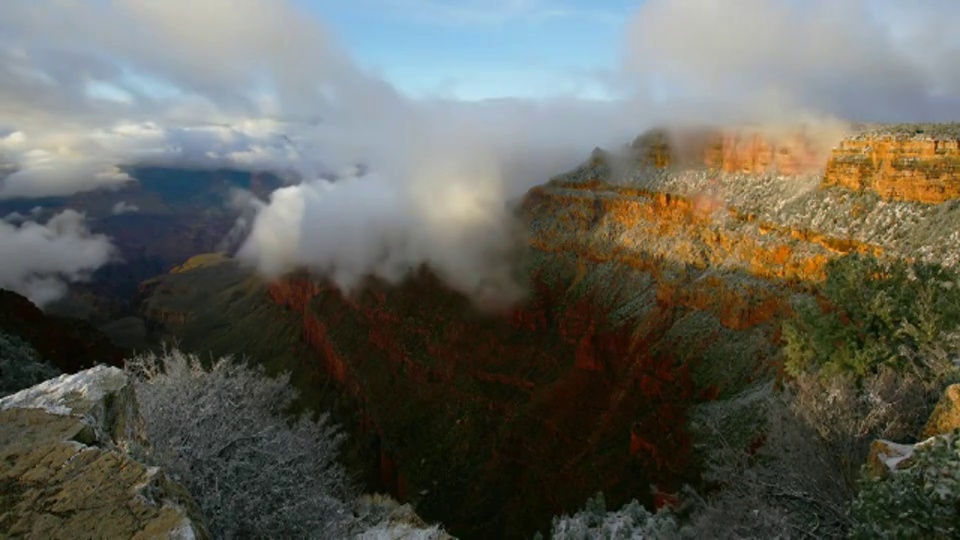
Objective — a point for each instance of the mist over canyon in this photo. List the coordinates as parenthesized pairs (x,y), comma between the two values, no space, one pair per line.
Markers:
(507,303)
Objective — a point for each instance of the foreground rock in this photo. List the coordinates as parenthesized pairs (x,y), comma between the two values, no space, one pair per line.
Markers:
(66,470)
(946,416)
(888,457)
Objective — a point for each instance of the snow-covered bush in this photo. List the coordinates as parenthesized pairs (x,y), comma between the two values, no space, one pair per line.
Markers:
(19,366)
(223,434)
(385,519)
(632,522)
(920,501)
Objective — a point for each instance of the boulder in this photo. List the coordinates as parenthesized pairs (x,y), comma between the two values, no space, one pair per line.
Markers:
(946,416)
(887,457)
(68,466)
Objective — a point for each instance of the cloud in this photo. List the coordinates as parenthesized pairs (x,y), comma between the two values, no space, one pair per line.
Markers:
(123,207)
(49,256)
(866,60)
(260,85)
(381,184)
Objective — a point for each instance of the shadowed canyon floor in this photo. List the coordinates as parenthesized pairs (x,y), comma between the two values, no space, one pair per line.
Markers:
(653,287)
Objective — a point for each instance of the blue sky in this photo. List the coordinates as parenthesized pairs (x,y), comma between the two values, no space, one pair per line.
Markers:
(476,49)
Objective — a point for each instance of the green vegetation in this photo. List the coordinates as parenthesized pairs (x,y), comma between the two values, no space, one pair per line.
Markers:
(920,501)
(877,314)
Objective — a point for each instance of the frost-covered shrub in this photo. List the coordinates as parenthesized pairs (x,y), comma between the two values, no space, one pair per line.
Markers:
(632,522)
(254,472)
(921,501)
(19,366)
(385,519)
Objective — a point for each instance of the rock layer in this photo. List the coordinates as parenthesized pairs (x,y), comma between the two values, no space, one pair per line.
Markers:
(65,470)
(896,167)
(739,150)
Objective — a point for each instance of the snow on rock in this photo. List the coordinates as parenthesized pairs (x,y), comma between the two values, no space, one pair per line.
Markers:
(66,470)
(389,520)
(102,396)
(886,457)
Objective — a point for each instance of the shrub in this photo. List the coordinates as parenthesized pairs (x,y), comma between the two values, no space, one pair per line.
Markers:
(19,366)
(847,414)
(632,522)
(790,486)
(222,433)
(921,501)
(879,314)
(386,519)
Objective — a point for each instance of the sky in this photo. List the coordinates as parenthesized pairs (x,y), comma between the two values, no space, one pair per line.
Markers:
(404,126)
(484,49)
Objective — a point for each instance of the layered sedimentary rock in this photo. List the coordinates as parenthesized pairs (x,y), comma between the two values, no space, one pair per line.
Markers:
(737,150)
(898,166)
(760,153)
(898,163)
(66,470)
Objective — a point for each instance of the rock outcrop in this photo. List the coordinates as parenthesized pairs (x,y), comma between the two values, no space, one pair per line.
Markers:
(67,468)
(900,163)
(748,150)
(946,416)
(888,457)
(903,167)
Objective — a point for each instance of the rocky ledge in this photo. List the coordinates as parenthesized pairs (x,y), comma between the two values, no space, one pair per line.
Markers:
(68,466)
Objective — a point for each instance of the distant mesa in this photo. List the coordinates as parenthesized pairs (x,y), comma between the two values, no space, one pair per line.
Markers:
(903,162)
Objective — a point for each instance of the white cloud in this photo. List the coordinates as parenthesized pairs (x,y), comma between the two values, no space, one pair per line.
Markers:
(87,88)
(49,256)
(874,60)
(123,207)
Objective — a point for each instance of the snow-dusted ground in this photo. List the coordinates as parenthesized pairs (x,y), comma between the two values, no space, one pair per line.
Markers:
(928,232)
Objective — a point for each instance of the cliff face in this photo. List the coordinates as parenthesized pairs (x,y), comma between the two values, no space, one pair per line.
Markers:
(477,416)
(744,150)
(65,469)
(895,167)
(756,153)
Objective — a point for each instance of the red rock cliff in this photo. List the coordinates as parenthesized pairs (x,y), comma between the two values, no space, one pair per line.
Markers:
(744,150)
(898,167)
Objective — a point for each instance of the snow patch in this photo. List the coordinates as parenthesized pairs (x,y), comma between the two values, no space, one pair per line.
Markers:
(71,394)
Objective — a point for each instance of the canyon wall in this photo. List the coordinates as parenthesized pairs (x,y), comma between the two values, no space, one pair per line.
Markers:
(744,150)
(642,304)
(898,163)
(900,168)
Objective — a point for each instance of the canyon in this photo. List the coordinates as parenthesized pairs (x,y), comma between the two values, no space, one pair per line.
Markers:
(657,279)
